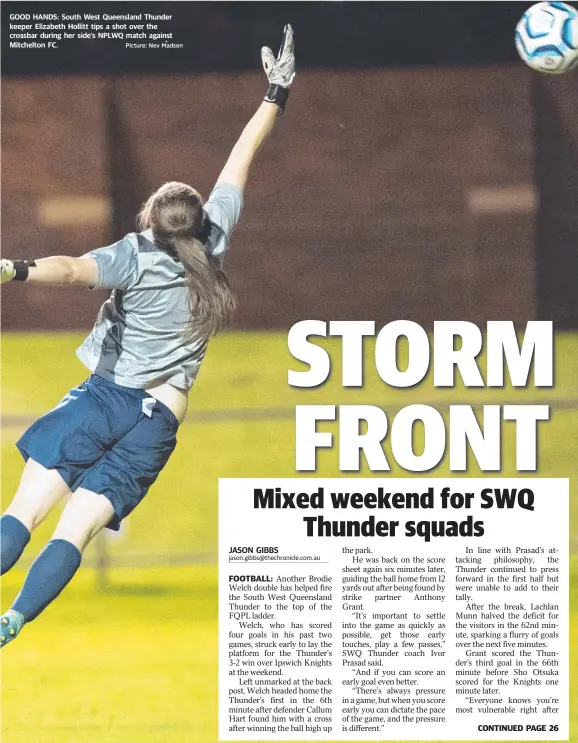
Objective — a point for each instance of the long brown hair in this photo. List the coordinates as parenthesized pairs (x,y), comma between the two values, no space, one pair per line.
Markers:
(175,215)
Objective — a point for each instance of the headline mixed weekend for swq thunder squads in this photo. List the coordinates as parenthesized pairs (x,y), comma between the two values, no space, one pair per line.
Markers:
(318,526)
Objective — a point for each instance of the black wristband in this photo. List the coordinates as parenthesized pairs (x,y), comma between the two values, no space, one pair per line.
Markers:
(21,269)
(277,94)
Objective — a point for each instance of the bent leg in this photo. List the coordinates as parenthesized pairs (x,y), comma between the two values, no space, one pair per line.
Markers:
(38,492)
(84,516)
(86,513)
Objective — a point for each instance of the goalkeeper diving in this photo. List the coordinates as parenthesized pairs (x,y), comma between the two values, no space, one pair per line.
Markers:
(105,443)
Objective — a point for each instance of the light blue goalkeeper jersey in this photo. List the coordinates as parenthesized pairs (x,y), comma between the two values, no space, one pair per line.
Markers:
(138,339)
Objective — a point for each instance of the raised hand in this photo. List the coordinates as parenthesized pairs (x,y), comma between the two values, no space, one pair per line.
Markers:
(7,270)
(280,70)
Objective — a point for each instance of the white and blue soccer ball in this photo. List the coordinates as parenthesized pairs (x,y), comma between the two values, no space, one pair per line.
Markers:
(547,37)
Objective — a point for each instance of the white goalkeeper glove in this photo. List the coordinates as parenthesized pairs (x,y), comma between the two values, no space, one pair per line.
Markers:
(14,270)
(7,270)
(280,70)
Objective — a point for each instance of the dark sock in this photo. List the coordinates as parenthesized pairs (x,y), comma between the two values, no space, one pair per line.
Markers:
(14,536)
(48,575)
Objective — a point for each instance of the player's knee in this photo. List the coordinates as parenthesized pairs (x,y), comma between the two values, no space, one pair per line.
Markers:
(27,514)
(74,527)
(83,518)
(39,490)
(78,533)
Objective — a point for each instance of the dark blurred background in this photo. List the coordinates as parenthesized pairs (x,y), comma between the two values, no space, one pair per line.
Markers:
(421,170)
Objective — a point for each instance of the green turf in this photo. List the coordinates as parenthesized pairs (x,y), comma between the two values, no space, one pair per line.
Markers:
(115,674)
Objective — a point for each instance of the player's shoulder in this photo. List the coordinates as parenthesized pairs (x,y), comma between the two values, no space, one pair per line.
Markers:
(144,242)
(153,261)
(225,202)
(147,249)
(222,211)
(212,234)
(222,189)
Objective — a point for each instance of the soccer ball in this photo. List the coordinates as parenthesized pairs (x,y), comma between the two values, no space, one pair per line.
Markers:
(547,37)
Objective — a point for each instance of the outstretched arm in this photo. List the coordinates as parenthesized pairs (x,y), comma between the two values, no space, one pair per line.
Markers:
(280,72)
(260,126)
(112,267)
(57,270)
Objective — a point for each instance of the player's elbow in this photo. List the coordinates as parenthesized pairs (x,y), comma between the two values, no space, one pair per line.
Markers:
(236,171)
(82,271)
(61,269)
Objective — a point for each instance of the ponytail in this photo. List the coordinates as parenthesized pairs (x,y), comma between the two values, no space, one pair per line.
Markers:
(211,299)
(175,214)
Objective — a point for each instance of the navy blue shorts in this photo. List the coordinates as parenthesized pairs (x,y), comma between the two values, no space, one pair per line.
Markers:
(106,438)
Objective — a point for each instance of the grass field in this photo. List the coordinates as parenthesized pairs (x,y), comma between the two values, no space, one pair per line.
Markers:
(137,663)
